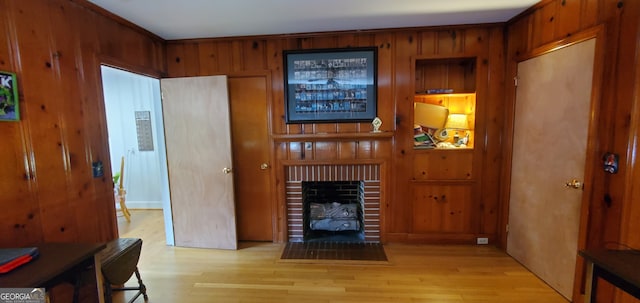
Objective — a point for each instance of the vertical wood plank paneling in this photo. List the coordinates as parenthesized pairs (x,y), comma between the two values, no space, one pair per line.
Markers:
(99,191)
(225,58)
(175,60)
(544,24)
(568,21)
(21,219)
(207,54)
(76,170)
(296,151)
(364,149)
(382,150)
(191,60)
(324,41)
(346,150)
(519,36)
(273,50)
(254,55)
(34,39)
(631,221)
(324,150)
(399,209)
(606,221)
(428,43)
(237,55)
(475,41)
(347,40)
(58,175)
(589,13)
(493,121)
(386,101)
(54,47)
(450,42)
(624,92)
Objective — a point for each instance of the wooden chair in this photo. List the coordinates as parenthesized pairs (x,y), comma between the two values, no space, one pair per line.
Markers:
(119,261)
(121,193)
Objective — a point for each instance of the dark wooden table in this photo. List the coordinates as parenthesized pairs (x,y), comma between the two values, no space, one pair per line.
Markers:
(618,267)
(57,263)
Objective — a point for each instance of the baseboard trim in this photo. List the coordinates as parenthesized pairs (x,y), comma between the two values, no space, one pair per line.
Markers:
(142,205)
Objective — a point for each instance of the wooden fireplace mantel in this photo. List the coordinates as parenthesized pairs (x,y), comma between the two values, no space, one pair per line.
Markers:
(332,136)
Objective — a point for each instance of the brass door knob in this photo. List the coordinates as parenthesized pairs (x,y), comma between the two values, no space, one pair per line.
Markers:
(264,166)
(226,170)
(574,184)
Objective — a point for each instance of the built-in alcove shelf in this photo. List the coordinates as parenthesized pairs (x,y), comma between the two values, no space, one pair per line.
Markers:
(332,136)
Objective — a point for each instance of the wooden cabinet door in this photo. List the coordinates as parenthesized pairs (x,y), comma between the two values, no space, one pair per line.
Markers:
(443,165)
(442,208)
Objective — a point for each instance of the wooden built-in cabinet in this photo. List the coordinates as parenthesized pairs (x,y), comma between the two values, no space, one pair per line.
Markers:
(442,208)
(443,183)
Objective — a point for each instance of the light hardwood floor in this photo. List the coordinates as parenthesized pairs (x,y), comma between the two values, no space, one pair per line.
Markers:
(254,273)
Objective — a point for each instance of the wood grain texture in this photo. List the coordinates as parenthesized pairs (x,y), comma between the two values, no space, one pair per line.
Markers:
(31,42)
(396,88)
(250,138)
(540,205)
(54,47)
(621,20)
(254,273)
(198,137)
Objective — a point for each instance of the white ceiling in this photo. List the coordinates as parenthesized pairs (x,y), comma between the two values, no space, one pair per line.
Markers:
(186,19)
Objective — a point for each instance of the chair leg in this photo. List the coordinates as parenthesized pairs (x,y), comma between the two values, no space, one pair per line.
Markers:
(123,206)
(107,293)
(143,288)
(76,290)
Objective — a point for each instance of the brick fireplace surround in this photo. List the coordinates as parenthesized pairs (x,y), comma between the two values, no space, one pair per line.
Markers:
(369,174)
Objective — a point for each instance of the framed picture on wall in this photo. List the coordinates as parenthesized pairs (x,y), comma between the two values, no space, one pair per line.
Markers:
(9,109)
(330,85)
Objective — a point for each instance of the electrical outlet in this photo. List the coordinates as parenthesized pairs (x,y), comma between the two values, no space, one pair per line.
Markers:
(482,240)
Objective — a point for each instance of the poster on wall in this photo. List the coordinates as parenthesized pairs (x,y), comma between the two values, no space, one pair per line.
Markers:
(330,85)
(9,110)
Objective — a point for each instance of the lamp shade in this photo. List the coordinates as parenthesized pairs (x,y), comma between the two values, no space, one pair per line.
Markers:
(429,115)
(457,121)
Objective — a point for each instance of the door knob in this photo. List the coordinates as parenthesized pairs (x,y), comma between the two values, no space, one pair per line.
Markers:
(574,184)
(264,166)
(226,170)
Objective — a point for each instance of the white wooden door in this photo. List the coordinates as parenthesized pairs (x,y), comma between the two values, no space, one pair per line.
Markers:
(197,130)
(549,149)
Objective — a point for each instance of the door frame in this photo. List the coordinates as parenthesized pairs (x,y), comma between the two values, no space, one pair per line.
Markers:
(105,60)
(592,148)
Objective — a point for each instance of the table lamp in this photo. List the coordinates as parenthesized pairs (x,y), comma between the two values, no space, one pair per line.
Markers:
(457,122)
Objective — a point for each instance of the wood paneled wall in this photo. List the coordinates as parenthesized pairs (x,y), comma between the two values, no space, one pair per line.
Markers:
(46,182)
(553,20)
(396,50)
(47,188)
(614,210)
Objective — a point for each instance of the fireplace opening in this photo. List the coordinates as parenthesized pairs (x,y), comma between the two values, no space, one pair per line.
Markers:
(333,211)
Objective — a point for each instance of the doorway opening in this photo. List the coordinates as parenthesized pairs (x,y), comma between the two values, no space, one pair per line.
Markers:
(135,127)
